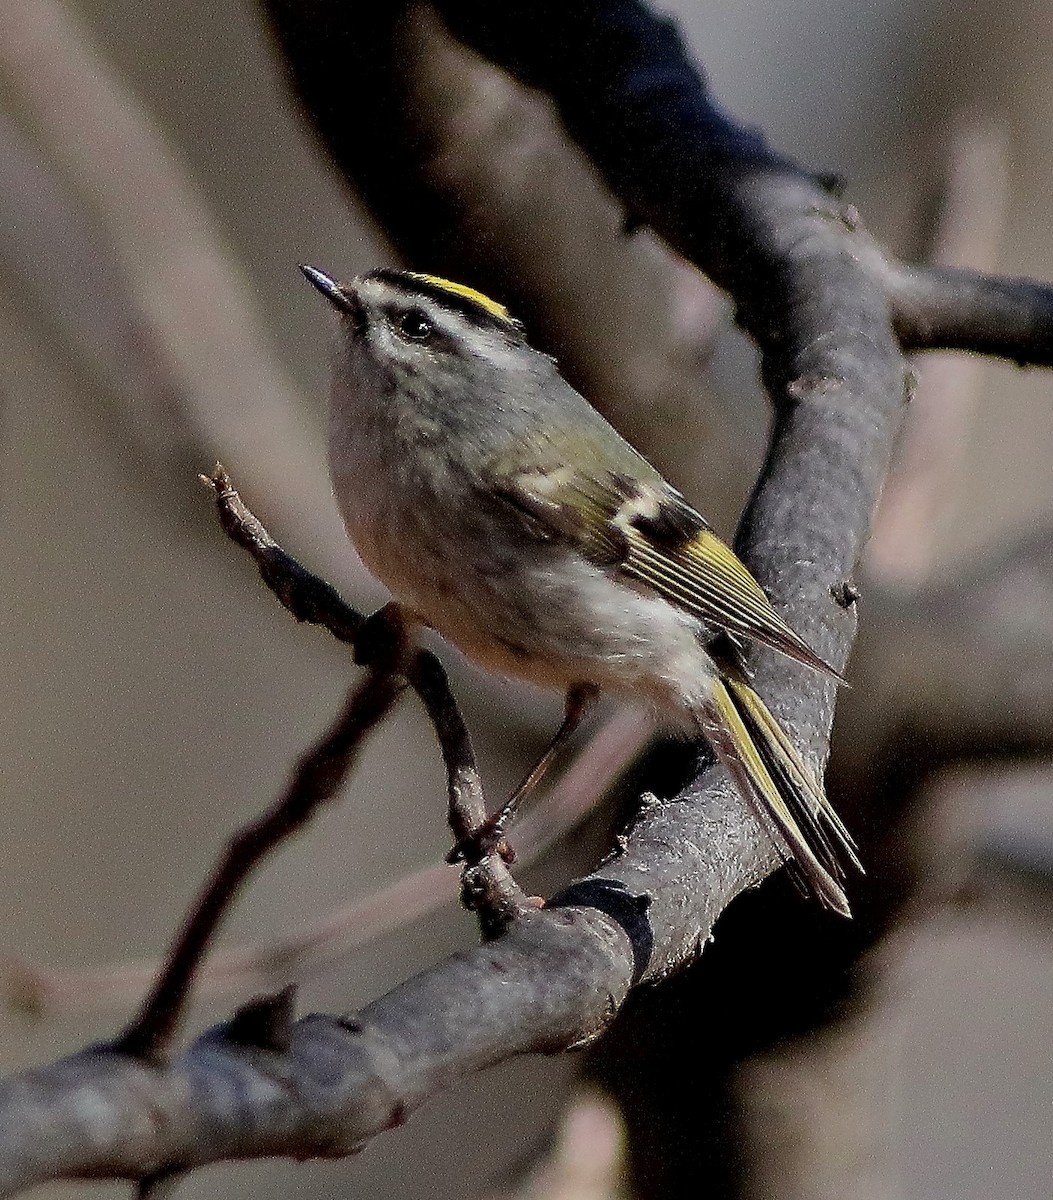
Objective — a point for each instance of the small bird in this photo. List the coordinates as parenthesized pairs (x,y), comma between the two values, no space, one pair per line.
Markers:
(504,512)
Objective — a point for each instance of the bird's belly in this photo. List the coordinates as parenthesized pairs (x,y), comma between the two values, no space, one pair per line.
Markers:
(477,601)
(545,615)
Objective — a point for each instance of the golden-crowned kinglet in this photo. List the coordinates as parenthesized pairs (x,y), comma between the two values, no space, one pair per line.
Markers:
(504,512)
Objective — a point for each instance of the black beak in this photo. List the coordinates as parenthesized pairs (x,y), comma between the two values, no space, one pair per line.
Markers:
(346,301)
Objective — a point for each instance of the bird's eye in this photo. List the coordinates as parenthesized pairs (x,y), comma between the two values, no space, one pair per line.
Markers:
(415,326)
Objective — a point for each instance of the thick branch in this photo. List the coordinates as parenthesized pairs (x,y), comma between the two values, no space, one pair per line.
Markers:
(962,666)
(943,308)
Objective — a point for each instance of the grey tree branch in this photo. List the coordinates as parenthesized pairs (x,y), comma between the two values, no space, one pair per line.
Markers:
(946,308)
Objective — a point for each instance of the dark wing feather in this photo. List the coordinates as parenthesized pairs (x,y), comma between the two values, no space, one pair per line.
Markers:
(648,532)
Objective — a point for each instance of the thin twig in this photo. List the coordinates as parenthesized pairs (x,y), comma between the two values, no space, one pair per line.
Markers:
(587,1161)
(488,885)
(240,970)
(309,598)
(319,776)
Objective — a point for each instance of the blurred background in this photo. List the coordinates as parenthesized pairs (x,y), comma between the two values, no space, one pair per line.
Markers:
(158,186)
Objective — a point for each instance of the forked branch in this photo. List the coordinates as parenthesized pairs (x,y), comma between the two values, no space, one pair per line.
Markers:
(381,645)
(495,895)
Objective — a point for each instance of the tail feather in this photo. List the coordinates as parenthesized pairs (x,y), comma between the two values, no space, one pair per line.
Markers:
(755,710)
(771,774)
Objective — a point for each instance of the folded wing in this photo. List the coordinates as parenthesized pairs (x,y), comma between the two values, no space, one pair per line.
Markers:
(648,532)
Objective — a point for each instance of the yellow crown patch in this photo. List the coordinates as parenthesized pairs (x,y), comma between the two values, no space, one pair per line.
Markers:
(464,292)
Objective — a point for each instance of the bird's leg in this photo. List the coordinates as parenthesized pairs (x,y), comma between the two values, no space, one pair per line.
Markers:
(579,701)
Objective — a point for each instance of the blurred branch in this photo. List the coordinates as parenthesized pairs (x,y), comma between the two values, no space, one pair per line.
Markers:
(142,285)
(817,1115)
(1022,863)
(587,1161)
(48,241)
(961,667)
(811,1120)
(931,448)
